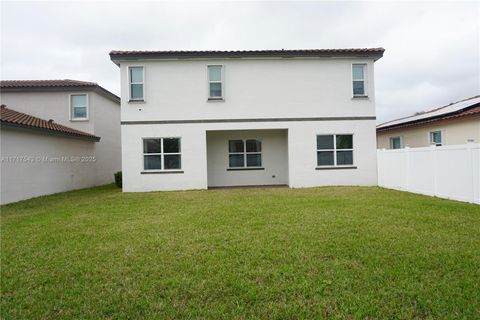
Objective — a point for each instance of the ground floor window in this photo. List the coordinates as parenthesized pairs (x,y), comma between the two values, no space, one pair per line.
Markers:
(395,143)
(244,153)
(162,154)
(334,150)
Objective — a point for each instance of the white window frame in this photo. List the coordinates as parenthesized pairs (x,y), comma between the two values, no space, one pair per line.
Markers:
(71,113)
(161,154)
(431,142)
(245,154)
(365,82)
(394,137)
(130,99)
(222,82)
(335,165)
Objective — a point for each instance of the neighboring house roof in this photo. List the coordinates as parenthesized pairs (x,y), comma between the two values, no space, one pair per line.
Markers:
(54,85)
(13,119)
(375,53)
(464,108)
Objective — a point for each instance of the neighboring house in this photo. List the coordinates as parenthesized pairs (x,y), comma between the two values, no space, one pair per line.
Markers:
(456,123)
(198,119)
(76,105)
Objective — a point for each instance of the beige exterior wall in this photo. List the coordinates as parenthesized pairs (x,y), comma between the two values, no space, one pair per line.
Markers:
(453,132)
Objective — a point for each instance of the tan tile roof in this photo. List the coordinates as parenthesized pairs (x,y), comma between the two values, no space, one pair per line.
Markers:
(45,83)
(475,110)
(376,53)
(49,85)
(12,118)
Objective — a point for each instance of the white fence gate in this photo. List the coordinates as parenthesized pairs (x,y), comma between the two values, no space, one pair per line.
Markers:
(451,172)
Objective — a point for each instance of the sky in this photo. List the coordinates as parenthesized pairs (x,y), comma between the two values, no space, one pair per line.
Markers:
(432,52)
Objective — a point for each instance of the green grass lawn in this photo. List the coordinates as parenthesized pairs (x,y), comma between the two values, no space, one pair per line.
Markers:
(339,252)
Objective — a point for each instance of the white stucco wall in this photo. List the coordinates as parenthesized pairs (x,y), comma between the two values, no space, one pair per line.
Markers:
(301,156)
(50,105)
(274,158)
(103,121)
(303,96)
(194,160)
(108,149)
(38,176)
(254,88)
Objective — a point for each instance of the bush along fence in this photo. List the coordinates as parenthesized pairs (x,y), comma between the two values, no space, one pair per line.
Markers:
(451,172)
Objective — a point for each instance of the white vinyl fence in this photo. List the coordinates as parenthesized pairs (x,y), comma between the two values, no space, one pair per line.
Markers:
(451,172)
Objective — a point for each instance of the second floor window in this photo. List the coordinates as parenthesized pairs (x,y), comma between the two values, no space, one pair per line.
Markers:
(215,82)
(358,80)
(244,153)
(136,83)
(78,107)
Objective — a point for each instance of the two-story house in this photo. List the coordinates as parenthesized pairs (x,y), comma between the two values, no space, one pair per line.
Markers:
(57,135)
(199,119)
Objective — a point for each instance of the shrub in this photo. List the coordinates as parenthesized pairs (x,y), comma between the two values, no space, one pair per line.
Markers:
(118,178)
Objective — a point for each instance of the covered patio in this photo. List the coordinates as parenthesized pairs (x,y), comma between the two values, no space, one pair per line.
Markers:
(247,157)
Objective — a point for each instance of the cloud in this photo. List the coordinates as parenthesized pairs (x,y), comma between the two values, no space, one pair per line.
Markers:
(432,56)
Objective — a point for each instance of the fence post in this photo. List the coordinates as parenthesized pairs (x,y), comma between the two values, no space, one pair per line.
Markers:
(380,156)
(433,149)
(475,174)
(407,168)
(379,178)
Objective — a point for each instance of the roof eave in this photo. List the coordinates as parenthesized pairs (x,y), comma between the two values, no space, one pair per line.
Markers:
(119,57)
(96,88)
(450,116)
(15,126)
(407,120)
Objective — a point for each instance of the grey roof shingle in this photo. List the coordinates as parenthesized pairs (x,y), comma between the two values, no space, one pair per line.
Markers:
(460,109)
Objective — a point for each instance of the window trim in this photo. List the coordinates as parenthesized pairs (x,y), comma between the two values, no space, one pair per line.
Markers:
(365,80)
(161,154)
(431,143)
(222,82)
(71,113)
(129,76)
(244,167)
(335,165)
(391,144)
